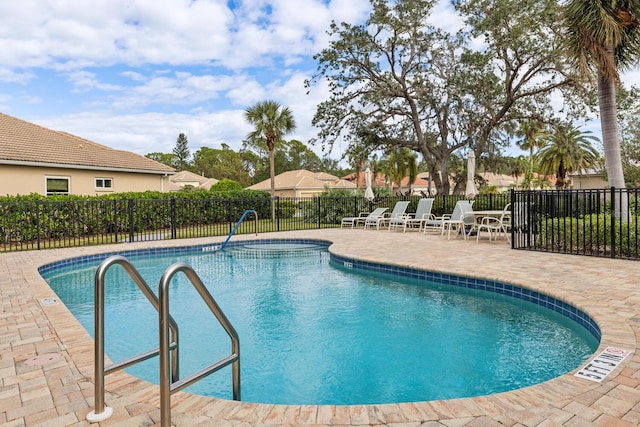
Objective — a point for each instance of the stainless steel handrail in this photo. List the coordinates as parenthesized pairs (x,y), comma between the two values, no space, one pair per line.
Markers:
(248,211)
(102,412)
(168,386)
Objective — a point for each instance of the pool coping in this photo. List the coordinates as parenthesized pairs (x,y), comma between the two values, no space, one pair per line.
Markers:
(567,400)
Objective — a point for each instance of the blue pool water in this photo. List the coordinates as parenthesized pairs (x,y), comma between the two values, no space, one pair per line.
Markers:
(314,332)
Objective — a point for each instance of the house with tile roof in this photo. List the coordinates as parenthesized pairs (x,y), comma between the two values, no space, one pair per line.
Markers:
(34,159)
(183,179)
(378,181)
(500,182)
(303,183)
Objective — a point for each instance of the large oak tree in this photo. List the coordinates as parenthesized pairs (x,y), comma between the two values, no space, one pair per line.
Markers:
(412,85)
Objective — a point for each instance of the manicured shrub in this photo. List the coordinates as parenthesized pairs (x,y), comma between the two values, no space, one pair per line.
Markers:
(30,217)
(225,185)
(591,234)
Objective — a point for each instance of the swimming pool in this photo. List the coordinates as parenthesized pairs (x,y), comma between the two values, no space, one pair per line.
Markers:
(330,339)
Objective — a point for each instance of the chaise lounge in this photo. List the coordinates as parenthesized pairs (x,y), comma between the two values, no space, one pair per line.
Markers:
(416,220)
(398,212)
(354,221)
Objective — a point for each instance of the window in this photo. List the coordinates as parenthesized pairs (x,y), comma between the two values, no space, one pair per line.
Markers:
(104,184)
(57,185)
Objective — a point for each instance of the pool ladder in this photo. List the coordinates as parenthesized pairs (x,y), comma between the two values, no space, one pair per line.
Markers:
(168,348)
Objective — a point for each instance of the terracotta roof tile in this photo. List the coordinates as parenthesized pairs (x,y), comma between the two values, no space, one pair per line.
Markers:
(24,142)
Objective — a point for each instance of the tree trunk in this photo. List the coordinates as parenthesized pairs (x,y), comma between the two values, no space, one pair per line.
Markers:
(611,142)
(272,174)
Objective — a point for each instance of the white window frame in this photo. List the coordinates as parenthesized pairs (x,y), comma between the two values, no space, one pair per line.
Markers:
(103,181)
(52,193)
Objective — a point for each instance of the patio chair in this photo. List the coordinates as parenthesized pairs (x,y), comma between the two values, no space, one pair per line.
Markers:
(415,220)
(497,225)
(397,212)
(354,221)
(458,220)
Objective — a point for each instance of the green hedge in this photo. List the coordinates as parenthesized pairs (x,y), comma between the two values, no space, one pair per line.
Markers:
(26,218)
(590,234)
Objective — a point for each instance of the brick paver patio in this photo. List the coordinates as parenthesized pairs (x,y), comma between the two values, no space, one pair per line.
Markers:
(46,357)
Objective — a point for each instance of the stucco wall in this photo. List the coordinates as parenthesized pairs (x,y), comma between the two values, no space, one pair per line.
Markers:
(25,180)
(588,182)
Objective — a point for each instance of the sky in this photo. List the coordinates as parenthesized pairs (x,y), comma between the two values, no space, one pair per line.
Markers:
(133,74)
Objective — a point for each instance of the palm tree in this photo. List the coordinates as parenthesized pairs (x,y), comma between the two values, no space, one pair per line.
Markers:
(358,156)
(568,149)
(400,163)
(603,38)
(532,136)
(271,121)
(517,167)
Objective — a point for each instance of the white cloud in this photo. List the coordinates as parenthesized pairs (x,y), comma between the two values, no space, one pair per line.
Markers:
(247,92)
(41,33)
(133,74)
(178,88)
(65,35)
(137,77)
(11,76)
(445,17)
(85,81)
(150,132)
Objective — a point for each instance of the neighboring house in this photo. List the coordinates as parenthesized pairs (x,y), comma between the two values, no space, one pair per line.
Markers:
(34,159)
(507,182)
(185,178)
(420,186)
(588,179)
(359,181)
(421,183)
(501,182)
(303,183)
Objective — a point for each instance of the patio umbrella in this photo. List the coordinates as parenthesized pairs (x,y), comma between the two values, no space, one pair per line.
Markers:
(471,191)
(368,193)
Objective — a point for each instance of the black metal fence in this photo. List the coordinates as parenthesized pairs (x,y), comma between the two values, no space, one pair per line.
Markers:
(42,224)
(581,222)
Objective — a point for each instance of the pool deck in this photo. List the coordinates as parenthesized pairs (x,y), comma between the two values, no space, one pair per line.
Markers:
(46,357)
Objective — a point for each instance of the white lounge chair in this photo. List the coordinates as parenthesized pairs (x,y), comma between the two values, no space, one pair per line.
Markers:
(354,221)
(458,220)
(398,211)
(416,220)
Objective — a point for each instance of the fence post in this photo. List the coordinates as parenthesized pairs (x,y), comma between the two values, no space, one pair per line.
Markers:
(319,211)
(116,228)
(512,200)
(277,203)
(173,218)
(613,222)
(131,207)
(38,224)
